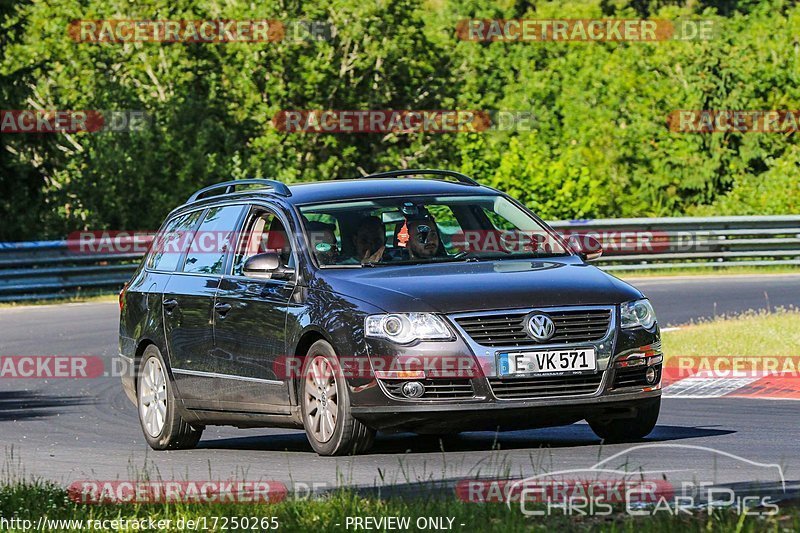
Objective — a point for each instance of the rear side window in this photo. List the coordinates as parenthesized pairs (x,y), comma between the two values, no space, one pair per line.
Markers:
(212,240)
(168,246)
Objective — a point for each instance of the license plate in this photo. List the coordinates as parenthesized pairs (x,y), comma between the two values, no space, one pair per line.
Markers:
(571,361)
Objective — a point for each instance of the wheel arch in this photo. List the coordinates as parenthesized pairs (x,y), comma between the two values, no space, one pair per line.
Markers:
(307,338)
(137,359)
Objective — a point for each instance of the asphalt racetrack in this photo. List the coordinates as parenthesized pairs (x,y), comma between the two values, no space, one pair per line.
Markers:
(76,429)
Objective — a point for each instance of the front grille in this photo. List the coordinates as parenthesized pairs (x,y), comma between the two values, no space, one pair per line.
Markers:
(634,377)
(546,386)
(508,329)
(435,389)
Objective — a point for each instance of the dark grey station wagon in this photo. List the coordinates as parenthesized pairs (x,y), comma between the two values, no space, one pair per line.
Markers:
(414,300)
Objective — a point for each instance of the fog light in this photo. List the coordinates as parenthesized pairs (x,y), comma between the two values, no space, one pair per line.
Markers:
(650,375)
(413,389)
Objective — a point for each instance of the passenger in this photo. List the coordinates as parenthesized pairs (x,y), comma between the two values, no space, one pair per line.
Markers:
(370,240)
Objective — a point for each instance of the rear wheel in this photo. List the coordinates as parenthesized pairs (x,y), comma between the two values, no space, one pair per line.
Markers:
(325,405)
(625,429)
(162,425)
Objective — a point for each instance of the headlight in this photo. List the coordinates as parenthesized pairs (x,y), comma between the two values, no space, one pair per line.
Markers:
(404,328)
(638,313)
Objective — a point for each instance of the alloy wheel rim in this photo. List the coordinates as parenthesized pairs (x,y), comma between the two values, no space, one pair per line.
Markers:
(153,398)
(321,396)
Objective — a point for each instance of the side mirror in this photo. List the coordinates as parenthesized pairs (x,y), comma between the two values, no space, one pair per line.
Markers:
(586,246)
(265,266)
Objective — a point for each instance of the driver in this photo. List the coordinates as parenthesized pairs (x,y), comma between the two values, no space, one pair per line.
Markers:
(323,237)
(423,238)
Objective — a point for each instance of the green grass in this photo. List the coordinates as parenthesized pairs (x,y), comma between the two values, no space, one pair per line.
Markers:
(706,271)
(753,334)
(32,500)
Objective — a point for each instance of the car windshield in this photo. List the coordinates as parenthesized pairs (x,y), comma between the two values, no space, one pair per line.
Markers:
(399,231)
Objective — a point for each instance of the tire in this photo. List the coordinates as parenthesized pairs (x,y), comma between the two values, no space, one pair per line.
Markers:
(626,429)
(325,405)
(162,425)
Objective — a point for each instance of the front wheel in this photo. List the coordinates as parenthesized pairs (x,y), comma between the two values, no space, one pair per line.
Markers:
(625,429)
(325,405)
(162,425)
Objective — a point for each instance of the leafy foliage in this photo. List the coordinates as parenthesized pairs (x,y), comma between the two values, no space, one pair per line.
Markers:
(599,145)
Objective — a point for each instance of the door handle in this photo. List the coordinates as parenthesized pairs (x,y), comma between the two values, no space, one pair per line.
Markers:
(170,305)
(222,308)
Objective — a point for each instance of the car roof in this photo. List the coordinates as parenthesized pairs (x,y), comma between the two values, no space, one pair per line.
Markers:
(357,189)
(342,190)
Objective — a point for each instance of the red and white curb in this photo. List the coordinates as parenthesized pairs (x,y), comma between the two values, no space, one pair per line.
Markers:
(708,384)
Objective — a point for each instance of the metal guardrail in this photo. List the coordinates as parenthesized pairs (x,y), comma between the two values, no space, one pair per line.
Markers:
(53,269)
(688,242)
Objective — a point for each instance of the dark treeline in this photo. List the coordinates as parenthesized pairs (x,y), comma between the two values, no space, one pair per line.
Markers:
(598,144)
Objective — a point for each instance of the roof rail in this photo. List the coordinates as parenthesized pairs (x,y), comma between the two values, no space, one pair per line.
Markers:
(230,186)
(436,172)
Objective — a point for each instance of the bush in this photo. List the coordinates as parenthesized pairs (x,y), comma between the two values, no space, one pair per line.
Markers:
(600,146)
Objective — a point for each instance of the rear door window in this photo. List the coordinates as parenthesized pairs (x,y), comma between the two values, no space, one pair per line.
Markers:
(170,243)
(212,240)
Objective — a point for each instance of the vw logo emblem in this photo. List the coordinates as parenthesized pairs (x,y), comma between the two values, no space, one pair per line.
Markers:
(541,327)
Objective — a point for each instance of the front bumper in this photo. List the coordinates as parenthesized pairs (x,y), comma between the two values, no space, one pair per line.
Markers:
(501,416)
(486,402)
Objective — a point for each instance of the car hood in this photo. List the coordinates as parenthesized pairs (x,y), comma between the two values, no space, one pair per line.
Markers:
(478,286)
